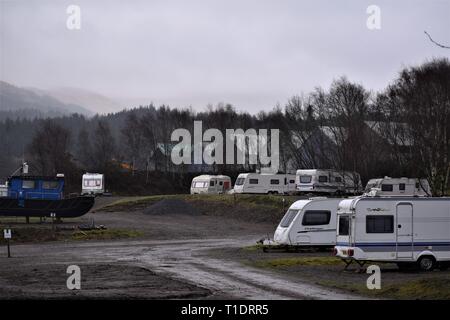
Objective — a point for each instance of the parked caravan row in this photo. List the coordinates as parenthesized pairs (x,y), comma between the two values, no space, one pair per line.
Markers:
(331,182)
(403,230)
(210,184)
(314,182)
(259,183)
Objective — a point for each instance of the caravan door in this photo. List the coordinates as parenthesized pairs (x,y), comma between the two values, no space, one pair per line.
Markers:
(404,228)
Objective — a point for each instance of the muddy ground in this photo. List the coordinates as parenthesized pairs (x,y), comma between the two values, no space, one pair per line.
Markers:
(206,252)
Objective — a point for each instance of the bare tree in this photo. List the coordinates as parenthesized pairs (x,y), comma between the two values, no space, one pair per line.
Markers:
(436,43)
(420,98)
(104,146)
(132,136)
(84,149)
(50,148)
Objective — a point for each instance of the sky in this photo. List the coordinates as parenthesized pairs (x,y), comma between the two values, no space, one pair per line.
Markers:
(253,54)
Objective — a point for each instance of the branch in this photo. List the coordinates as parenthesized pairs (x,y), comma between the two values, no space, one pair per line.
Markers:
(438,44)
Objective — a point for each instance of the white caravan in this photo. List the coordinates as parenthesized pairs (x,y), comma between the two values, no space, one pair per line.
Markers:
(326,181)
(3,190)
(407,231)
(398,187)
(309,222)
(265,183)
(210,184)
(93,183)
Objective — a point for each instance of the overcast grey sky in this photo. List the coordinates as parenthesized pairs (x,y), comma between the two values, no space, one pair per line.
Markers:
(251,53)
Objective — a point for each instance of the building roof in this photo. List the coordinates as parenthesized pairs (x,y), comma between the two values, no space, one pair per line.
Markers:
(31,177)
(396,132)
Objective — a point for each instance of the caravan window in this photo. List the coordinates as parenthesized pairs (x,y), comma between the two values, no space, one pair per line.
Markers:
(28,184)
(253,181)
(274,181)
(292,181)
(92,183)
(200,184)
(323,179)
(379,224)
(50,184)
(344,225)
(211,183)
(305,179)
(338,179)
(401,187)
(240,181)
(316,217)
(288,217)
(387,187)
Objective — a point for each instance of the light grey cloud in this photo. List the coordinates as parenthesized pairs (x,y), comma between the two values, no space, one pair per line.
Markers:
(250,53)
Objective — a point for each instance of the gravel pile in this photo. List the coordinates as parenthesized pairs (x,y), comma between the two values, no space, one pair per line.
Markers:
(171,206)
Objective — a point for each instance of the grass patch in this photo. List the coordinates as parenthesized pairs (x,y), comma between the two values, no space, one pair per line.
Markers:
(107,234)
(46,234)
(301,261)
(136,203)
(18,220)
(434,288)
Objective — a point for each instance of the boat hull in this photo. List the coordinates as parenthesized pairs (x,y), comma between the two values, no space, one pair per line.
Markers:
(64,208)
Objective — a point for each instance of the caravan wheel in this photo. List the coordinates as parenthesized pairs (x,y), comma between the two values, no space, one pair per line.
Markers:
(426,263)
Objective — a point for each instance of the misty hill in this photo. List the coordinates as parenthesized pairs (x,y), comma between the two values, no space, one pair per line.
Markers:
(30,104)
(95,102)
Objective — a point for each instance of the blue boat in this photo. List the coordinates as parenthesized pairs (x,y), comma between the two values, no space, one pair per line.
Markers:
(40,196)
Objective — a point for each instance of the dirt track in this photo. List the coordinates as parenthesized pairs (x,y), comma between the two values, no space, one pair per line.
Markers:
(144,269)
(171,261)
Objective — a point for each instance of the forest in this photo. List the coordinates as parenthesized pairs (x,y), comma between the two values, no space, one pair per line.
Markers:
(401,131)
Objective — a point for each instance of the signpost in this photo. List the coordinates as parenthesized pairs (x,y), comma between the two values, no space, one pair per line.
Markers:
(53,215)
(7,235)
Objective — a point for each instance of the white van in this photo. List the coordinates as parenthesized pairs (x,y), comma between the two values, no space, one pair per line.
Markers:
(309,222)
(210,184)
(398,187)
(93,183)
(327,181)
(265,183)
(395,229)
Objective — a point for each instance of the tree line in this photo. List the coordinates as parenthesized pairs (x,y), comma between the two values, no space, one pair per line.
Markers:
(401,131)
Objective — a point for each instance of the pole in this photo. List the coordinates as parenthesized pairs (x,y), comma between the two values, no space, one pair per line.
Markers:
(9,250)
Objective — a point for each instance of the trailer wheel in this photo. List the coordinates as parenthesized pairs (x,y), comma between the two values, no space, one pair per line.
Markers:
(426,263)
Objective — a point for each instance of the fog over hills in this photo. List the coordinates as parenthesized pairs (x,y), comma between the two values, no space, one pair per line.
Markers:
(93,101)
(30,102)
(35,103)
